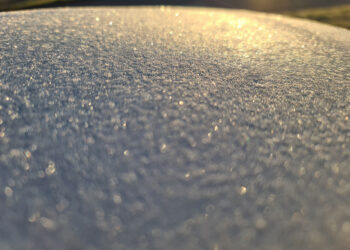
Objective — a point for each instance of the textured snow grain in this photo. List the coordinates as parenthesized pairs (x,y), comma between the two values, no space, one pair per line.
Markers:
(173,128)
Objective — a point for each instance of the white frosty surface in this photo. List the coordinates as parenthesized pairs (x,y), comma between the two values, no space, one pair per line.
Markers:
(158,128)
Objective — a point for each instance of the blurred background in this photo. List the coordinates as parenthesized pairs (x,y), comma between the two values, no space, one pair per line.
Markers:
(335,12)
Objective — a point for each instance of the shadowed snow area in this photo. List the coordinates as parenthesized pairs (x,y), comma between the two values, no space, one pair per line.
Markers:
(173,128)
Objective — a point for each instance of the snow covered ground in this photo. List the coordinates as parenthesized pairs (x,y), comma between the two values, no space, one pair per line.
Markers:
(173,128)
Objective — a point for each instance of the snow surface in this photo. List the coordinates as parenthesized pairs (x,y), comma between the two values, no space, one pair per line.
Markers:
(173,128)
